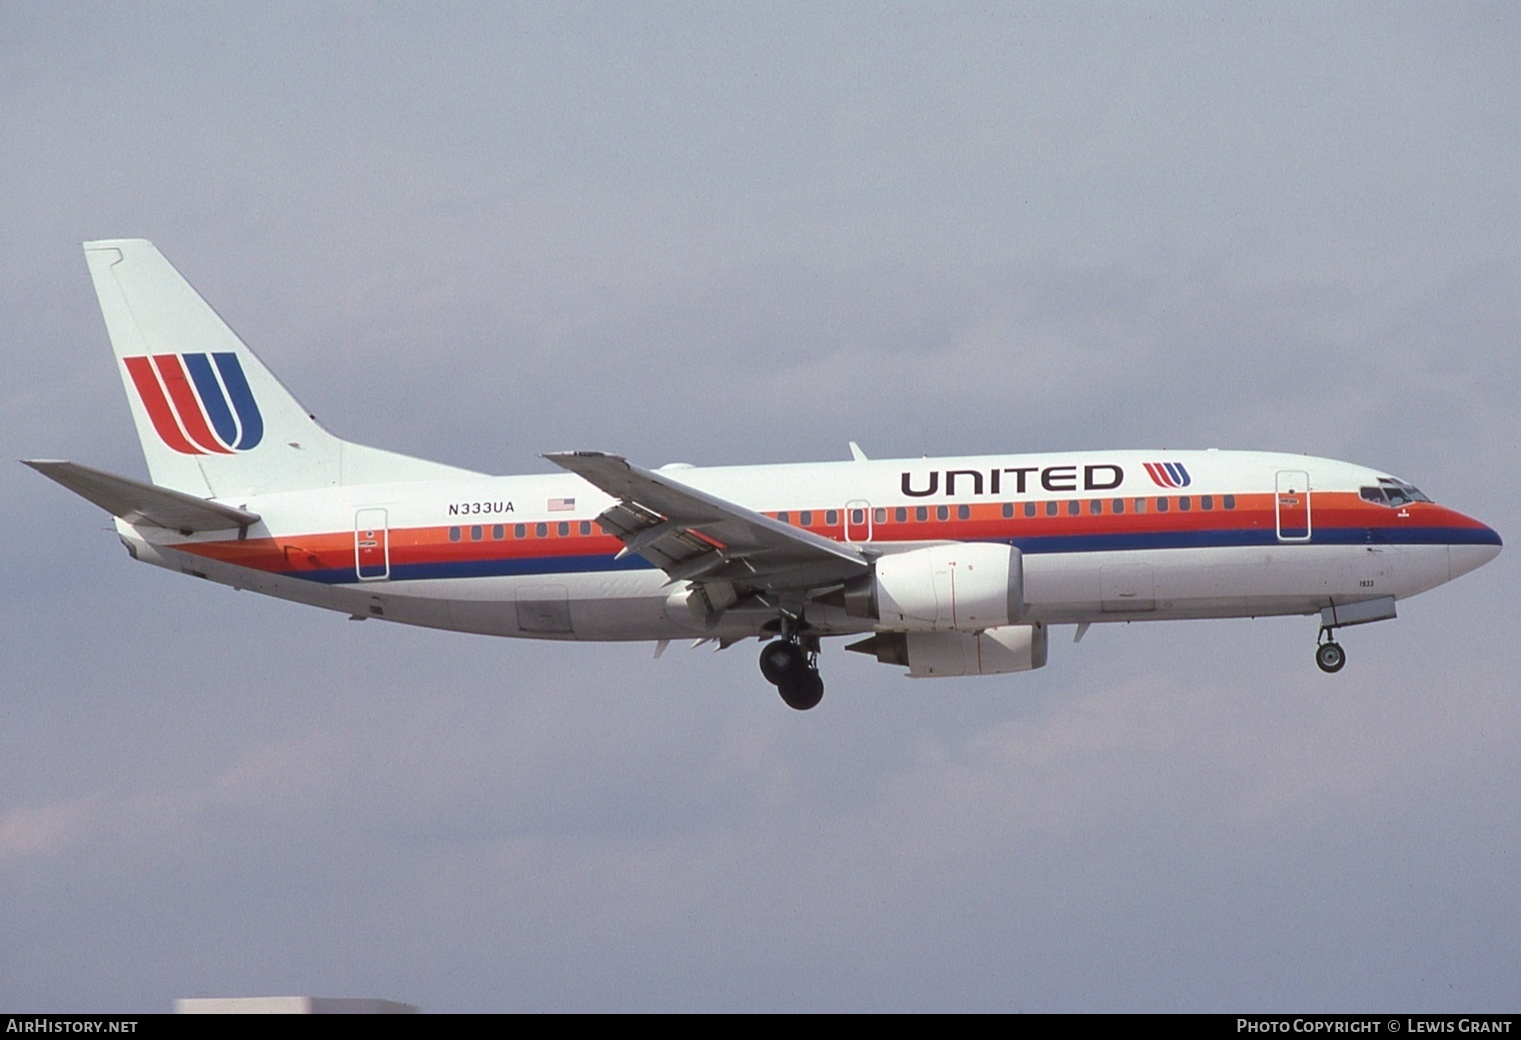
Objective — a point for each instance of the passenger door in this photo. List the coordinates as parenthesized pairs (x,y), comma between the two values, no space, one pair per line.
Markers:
(1292,505)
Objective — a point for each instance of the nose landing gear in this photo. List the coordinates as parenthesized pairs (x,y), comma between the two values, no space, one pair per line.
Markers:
(1328,653)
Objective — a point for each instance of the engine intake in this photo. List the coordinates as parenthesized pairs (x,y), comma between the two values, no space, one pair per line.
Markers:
(961,587)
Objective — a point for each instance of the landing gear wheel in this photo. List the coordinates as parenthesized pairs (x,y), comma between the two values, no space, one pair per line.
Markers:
(781,660)
(1330,657)
(802,691)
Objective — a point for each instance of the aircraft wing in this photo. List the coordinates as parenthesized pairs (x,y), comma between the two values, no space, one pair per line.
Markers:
(136,502)
(694,536)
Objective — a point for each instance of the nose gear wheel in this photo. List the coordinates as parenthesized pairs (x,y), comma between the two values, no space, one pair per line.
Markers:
(1329,655)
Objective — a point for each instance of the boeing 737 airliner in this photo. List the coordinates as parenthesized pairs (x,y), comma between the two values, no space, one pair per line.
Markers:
(954,566)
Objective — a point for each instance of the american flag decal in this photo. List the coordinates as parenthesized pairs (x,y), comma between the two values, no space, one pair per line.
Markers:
(561,505)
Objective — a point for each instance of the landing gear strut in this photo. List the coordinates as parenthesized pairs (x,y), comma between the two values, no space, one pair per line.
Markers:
(788,664)
(1328,653)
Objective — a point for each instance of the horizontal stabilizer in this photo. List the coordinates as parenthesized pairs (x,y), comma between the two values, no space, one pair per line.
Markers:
(137,503)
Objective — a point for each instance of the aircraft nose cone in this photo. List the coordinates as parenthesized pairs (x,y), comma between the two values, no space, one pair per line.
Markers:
(1472,555)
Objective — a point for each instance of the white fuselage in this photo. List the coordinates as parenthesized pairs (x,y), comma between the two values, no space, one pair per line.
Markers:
(1104,536)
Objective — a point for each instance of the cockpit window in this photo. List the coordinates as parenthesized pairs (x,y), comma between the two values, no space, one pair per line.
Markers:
(1400,492)
(1392,493)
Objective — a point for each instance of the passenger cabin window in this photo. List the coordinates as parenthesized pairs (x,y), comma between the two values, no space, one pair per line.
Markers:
(475,533)
(585,527)
(963,512)
(782,516)
(454,534)
(1229,501)
(520,530)
(806,518)
(1118,505)
(901,514)
(1029,509)
(921,513)
(564,528)
(1074,507)
(1140,505)
(1185,503)
(1161,505)
(541,530)
(1206,502)
(831,518)
(1096,506)
(942,512)
(1008,510)
(1051,508)
(498,532)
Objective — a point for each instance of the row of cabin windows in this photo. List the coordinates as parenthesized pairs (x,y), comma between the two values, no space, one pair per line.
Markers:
(1074,507)
(831,517)
(900,514)
(499,531)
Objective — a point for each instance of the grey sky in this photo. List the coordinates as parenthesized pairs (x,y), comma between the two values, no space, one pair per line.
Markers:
(750,233)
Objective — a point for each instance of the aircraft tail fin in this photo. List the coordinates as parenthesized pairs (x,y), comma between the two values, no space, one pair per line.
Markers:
(212,419)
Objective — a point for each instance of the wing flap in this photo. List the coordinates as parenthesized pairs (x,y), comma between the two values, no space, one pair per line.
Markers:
(136,502)
(695,536)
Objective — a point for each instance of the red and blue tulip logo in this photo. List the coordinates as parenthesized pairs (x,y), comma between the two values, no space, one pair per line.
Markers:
(1168,474)
(200,404)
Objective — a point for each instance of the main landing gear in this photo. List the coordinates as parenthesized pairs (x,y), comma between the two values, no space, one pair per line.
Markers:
(1328,653)
(790,668)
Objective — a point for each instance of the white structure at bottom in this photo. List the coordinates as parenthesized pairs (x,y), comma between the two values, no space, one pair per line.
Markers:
(290,1006)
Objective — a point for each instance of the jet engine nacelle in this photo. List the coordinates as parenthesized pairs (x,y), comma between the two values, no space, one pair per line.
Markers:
(960,587)
(928,655)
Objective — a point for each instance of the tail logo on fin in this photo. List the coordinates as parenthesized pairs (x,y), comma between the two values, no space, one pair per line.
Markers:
(200,404)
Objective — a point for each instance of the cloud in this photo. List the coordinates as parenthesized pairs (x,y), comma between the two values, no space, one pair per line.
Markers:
(48,830)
